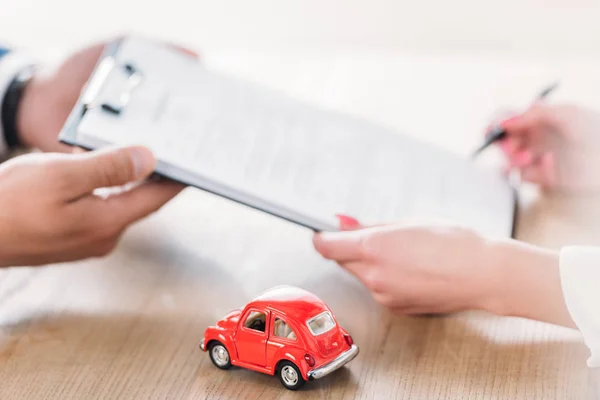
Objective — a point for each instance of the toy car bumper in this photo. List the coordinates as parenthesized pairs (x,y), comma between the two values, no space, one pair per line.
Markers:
(339,362)
(202,345)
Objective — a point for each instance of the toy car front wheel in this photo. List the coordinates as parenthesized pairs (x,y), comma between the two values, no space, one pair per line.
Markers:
(290,376)
(219,355)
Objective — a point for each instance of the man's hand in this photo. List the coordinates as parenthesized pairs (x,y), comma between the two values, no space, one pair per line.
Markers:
(49,213)
(557,147)
(50,97)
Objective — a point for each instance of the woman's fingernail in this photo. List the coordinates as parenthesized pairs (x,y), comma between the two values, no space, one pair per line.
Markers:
(347,221)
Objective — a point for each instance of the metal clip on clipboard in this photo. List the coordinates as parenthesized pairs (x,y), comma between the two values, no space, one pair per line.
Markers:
(123,77)
(107,68)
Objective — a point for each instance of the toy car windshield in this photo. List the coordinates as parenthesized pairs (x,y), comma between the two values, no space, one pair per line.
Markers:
(321,323)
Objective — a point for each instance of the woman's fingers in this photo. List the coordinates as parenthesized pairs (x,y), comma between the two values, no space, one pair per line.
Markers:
(527,135)
(522,159)
(513,147)
(340,246)
(356,268)
(538,116)
(548,166)
(542,171)
(499,117)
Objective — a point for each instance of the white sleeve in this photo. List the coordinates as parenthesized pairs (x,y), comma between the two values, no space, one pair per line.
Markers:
(10,66)
(580,279)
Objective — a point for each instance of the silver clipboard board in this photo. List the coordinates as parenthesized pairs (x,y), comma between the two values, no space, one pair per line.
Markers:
(132,76)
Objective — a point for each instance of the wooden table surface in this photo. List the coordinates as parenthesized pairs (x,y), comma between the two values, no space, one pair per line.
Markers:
(128,326)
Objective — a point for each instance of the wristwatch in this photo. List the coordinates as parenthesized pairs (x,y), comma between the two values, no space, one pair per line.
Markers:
(11,103)
(16,71)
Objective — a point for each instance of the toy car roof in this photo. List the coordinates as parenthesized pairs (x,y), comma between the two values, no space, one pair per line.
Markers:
(292,301)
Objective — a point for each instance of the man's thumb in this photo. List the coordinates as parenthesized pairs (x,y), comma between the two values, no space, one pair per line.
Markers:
(111,167)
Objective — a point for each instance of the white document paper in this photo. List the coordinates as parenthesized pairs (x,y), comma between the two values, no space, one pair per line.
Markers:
(282,156)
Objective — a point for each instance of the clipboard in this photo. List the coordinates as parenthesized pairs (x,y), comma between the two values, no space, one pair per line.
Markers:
(116,89)
(108,65)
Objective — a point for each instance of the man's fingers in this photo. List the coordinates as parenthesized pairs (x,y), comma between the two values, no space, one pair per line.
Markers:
(340,246)
(137,203)
(111,215)
(106,168)
(77,150)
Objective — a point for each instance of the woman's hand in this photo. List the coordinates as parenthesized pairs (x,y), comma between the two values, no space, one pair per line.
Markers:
(421,270)
(414,270)
(557,147)
(49,213)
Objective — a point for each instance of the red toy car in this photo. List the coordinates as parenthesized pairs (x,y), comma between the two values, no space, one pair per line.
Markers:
(285,331)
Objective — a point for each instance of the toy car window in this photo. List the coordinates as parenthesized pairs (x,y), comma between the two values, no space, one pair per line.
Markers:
(256,321)
(282,329)
(321,323)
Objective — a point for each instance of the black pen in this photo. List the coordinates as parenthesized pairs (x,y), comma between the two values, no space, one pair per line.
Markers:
(497,132)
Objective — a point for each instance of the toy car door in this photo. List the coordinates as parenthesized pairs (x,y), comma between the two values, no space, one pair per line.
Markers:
(251,337)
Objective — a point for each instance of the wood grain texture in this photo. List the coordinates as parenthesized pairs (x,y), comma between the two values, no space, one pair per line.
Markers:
(128,326)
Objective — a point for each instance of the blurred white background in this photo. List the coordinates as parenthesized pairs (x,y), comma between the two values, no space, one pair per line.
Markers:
(433,68)
(466,26)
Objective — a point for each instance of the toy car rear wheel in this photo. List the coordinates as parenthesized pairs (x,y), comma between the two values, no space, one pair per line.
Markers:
(219,355)
(290,376)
